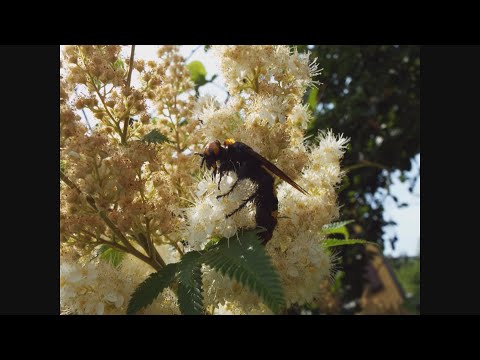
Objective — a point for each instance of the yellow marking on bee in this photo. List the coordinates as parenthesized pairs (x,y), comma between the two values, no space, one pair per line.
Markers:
(229,141)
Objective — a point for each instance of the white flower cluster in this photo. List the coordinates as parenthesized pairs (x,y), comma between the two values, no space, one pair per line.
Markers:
(98,288)
(273,65)
(207,217)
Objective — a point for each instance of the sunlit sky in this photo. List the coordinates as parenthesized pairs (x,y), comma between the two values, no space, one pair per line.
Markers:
(407,218)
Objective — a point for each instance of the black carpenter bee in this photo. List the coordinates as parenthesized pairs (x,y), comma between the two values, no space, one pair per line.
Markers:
(247,164)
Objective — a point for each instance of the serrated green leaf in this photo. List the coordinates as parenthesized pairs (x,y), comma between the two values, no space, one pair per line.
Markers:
(340,242)
(342,230)
(245,260)
(111,255)
(198,73)
(336,225)
(148,290)
(155,137)
(190,297)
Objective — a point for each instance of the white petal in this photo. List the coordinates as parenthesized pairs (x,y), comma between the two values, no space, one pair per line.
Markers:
(100,308)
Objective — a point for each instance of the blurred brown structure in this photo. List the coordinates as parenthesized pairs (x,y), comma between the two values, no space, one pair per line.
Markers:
(383,293)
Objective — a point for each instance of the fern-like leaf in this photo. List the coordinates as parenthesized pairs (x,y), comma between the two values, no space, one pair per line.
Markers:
(148,290)
(190,297)
(155,137)
(245,260)
(329,228)
(339,242)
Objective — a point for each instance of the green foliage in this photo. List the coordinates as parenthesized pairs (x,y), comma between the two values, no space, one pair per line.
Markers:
(111,255)
(63,165)
(148,290)
(119,64)
(407,270)
(197,72)
(337,283)
(372,95)
(337,228)
(312,99)
(242,259)
(190,297)
(155,137)
(340,242)
(336,225)
(246,261)
(340,228)
(212,242)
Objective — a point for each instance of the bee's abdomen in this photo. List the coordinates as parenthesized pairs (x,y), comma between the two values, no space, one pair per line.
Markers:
(266,209)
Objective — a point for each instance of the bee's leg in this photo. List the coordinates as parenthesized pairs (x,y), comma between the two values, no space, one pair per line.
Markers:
(245,202)
(220,179)
(229,191)
(240,176)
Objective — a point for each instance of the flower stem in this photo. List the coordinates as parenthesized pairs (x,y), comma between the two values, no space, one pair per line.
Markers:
(129,79)
(156,262)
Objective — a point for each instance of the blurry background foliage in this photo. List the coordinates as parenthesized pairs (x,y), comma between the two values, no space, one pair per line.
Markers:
(371,94)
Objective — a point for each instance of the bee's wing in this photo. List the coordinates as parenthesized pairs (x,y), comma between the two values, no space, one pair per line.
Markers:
(274,169)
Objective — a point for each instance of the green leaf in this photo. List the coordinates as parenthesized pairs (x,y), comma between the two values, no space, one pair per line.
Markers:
(337,283)
(111,255)
(197,72)
(335,225)
(342,230)
(119,64)
(339,242)
(337,228)
(190,297)
(312,99)
(97,83)
(212,242)
(148,290)
(155,137)
(245,260)
(63,165)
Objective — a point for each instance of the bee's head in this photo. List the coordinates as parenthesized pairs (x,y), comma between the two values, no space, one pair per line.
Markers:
(211,153)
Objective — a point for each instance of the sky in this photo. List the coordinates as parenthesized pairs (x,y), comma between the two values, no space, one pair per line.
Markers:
(407,218)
